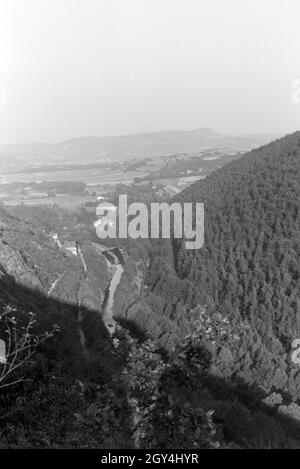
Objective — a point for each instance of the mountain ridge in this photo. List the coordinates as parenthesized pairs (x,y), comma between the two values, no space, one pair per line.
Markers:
(138,145)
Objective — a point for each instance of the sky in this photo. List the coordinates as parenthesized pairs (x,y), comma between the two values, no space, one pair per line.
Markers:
(72,68)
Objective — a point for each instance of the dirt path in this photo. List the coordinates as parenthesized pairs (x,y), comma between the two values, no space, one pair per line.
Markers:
(82,260)
(54,284)
(79,317)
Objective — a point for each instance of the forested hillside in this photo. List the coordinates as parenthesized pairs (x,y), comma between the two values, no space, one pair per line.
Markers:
(249,267)
(250,262)
(243,286)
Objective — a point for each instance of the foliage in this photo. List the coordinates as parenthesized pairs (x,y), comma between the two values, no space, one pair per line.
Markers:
(21,345)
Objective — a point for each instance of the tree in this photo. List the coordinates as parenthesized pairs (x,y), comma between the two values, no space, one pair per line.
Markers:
(19,346)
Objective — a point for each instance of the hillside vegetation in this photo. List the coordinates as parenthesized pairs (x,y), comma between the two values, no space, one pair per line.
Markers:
(207,362)
(247,278)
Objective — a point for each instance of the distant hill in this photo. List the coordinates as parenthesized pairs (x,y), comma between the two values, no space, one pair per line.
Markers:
(141,145)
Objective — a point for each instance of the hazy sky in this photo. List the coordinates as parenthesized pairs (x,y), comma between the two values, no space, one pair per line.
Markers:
(107,67)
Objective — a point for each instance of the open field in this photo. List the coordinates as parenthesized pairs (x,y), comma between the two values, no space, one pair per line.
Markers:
(68,202)
(89,176)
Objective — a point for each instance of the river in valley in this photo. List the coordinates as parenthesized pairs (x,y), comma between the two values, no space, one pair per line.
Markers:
(108,305)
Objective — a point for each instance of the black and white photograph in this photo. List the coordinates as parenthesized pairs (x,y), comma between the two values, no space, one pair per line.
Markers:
(149,228)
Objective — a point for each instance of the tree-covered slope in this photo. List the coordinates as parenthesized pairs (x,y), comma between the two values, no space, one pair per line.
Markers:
(249,264)
(247,271)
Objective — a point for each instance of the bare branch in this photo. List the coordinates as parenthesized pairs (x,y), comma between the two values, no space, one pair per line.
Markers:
(21,344)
